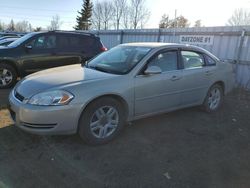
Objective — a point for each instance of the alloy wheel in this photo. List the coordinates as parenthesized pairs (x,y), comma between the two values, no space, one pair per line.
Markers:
(214,98)
(6,77)
(104,121)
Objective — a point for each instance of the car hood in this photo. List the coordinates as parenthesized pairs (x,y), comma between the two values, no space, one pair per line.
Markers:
(58,77)
(5,47)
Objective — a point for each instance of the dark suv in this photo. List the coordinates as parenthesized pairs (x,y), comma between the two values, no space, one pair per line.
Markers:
(42,50)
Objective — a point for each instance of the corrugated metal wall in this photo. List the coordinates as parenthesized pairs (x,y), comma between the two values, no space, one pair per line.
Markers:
(228,44)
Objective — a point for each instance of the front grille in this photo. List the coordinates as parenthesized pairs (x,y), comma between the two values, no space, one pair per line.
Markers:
(19,96)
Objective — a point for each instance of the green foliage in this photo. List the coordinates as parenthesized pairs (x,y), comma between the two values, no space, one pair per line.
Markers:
(180,21)
(83,21)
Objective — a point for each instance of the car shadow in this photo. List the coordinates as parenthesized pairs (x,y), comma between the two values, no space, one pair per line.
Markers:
(4,93)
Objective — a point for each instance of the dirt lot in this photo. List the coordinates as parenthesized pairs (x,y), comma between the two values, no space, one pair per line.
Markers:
(186,148)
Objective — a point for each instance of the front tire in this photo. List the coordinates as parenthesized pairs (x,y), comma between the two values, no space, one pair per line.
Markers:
(8,76)
(213,99)
(102,121)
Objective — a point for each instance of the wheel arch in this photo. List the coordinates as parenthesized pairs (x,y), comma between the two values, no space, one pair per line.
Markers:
(117,97)
(11,63)
(221,83)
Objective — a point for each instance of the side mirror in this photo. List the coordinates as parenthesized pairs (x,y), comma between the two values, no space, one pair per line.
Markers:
(151,70)
(28,47)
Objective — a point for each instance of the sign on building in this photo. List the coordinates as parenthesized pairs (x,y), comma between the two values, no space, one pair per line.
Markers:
(197,39)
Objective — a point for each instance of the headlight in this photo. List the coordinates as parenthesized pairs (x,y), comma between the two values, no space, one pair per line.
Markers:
(51,98)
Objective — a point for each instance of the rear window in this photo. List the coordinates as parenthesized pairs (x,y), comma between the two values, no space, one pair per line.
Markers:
(82,41)
(91,43)
(86,43)
(192,59)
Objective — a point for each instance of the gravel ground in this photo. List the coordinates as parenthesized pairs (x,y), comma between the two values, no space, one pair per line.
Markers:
(185,148)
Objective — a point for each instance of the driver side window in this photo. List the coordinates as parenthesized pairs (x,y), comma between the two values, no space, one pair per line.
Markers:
(38,42)
(43,42)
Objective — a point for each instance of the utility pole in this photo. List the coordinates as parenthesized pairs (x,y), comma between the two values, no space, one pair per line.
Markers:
(175,23)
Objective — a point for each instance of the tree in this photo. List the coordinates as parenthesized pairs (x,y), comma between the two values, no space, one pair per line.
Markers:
(22,26)
(139,14)
(103,14)
(30,28)
(55,23)
(197,23)
(83,21)
(120,14)
(11,26)
(165,21)
(37,29)
(119,11)
(180,21)
(97,15)
(107,13)
(2,26)
(239,17)
(126,18)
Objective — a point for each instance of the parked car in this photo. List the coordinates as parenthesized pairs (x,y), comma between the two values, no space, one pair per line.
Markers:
(128,82)
(12,33)
(41,50)
(3,34)
(7,41)
(7,37)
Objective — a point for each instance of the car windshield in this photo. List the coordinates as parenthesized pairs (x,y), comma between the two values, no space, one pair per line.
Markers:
(118,60)
(21,40)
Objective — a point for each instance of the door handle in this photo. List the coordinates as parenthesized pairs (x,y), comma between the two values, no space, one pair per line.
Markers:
(174,78)
(208,73)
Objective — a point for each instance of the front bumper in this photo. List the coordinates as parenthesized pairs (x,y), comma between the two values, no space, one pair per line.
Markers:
(44,120)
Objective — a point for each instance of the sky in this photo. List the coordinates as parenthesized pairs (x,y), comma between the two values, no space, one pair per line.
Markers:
(40,12)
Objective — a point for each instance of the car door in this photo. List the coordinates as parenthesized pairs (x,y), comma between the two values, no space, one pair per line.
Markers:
(197,77)
(39,53)
(68,49)
(159,92)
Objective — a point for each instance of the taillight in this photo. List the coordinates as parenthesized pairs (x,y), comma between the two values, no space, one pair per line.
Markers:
(103,49)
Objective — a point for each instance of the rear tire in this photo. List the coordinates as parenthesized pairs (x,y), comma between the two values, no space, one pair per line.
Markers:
(8,76)
(101,121)
(214,99)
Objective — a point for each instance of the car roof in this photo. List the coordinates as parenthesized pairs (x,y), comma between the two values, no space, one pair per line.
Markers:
(67,32)
(157,44)
(169,45)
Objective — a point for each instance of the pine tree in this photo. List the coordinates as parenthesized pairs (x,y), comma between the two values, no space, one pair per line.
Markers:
(11,26)
(83,19)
